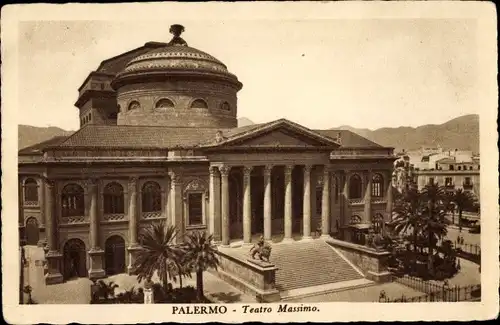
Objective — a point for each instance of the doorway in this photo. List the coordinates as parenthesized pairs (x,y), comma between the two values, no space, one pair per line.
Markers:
(115,255)
(32,231)
(75,259)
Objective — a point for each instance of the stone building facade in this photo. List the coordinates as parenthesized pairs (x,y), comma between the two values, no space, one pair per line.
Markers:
(159,142)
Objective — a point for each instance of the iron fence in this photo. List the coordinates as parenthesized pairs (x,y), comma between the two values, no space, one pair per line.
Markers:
(471,252)
(455,294)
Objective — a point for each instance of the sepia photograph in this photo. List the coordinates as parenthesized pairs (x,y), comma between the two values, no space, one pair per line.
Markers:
(250,167)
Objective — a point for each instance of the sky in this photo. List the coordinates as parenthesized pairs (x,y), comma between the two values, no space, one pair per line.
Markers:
(366,73)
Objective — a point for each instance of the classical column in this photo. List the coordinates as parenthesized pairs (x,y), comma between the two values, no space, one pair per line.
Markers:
(389,197)
(214,196)
(176,216)
(224,172)
(306,209)
(96,254)
(134,246)
(368,197)
(325,204)
(41,203)
(53,256)
(288,203)
(247,205)
(20,220)
(267,201)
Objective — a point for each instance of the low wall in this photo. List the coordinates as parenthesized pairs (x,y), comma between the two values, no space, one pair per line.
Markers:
(372,263)
(255,278)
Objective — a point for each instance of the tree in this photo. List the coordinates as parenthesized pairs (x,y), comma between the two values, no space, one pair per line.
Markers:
(407,214)
(463,200)
(201,255)
(159,254)
(433,222)
(106,290)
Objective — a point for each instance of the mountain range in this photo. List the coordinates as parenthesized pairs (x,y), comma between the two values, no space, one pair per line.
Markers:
(459,133)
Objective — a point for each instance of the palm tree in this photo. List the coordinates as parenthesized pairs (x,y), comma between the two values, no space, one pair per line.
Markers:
(158,254)
(201,255)
(462,200)
(407,214)
(106,290)
(434,226)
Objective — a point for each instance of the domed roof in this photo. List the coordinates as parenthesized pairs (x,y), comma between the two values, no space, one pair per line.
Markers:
(176,58)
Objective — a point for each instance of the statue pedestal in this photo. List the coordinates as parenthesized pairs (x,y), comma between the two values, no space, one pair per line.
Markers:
(53,275)
(148,296)
(260,263)
(96,270)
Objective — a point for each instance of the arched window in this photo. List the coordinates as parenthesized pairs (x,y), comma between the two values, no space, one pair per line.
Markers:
(355,187)
(134,105)
(114,202)
(377,185)
(90,117)
(225,106)
(164,103)
(151,197)
(30,190)
(199,103)
(72,200)
(377,222)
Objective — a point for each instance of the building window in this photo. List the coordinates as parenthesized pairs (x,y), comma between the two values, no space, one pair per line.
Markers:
(151,197)
(470,167)
(30,190)
(355,187)
(164,103)
(114,202)
(319,200)
(431,180)
(134,105)
(448,181)
(459,168)
(452,167)
(377,185)
(377,223)
(72,200)
(467,181)
(195,209)
(199,103)
(225,106)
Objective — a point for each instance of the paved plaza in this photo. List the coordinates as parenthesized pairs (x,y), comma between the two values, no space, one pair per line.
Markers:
(77,291)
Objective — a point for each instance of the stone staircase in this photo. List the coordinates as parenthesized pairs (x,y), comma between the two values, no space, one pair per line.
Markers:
(310,264)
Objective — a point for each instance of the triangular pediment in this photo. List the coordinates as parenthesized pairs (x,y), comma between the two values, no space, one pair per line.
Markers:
(281,133)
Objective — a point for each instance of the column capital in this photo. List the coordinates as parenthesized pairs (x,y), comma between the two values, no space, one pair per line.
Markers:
(247,170)
(224,170)
(268,170)
(327,169)
(175,178)
(49,182)
(213,170)
(288,170)
(308,168)
(91,181)
(132,181)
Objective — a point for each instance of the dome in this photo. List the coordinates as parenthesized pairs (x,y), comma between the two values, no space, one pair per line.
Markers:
(176,85)
(175,59)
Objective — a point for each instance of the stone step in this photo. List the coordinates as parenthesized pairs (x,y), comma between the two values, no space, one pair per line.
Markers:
(310,264)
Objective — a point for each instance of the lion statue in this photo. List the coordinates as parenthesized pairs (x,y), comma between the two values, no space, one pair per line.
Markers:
(261,249)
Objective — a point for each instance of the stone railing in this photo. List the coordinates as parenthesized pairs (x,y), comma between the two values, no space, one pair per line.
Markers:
(373,263)
(379,201)
(151,215)
(256,278)
(73,220)
(356,201)
(30,203)
(114,217)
